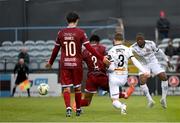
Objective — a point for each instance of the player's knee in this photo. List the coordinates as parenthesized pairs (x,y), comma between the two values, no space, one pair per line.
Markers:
(66,89)
(77,90)
(143,79)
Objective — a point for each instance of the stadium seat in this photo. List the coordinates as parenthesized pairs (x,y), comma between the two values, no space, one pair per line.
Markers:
(106,42)
(13,49)
(55,64)
(109,46)
(176,44)
(42,65)
(33,65)
(29,42)
(176,40)
(174,63)
(166,40)
(33,53)
(50,47)
(50,42)
(6,43)
(46,53)
(17,43)
(10,65)
(2,50)
(40,43)
(163,46)
(35,48)
(6,55)
(1,65)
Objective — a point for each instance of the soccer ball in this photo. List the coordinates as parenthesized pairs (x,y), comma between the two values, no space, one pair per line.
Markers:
(43,89)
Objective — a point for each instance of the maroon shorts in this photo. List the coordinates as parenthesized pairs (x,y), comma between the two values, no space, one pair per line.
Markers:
(94,82)
(71,77)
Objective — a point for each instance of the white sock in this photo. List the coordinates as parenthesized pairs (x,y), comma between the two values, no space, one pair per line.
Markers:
(146,91)
(164,86)
(117,104)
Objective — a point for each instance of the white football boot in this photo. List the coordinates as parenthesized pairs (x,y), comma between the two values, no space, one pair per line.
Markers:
(151,103)
(123,109)
(163,103)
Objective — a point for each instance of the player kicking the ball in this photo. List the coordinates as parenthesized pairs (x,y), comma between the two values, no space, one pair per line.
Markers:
(147,49)
(118,69)
(97,76)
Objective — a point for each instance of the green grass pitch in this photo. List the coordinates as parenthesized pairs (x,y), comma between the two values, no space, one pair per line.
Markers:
(51,109)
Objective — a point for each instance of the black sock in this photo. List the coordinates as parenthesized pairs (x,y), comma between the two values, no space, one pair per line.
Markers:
(14,90)
(28,91)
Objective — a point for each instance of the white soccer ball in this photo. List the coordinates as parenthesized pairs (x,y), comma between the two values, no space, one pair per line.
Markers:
(43,89)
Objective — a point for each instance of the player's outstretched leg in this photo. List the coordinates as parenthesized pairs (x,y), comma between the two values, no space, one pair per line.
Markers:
(117,104)
(164,86)
(145,90)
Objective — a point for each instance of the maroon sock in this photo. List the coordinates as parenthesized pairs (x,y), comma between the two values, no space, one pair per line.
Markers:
(84,102)
(78,100)
(67,99)
(121,95)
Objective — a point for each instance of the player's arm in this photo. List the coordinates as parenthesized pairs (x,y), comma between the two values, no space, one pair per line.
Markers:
(139,66)
(165,58)
(137,63)
(93,51)
(54,54)
(112,66)
(161,53)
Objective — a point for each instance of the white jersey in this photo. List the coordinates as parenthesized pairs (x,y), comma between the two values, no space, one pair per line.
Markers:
(147,52)
(119,55)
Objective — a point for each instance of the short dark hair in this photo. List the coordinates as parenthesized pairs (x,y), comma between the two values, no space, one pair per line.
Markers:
(95,38)
(118,37)
(72,17)
(139,35)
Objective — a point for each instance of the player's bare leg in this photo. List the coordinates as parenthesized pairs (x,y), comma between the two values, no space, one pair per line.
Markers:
(85,101)
(145,90)
(78,100)
(67,101)
(164,85)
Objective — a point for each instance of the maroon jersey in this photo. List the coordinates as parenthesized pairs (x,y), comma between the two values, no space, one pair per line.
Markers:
(95,65)
(71,40)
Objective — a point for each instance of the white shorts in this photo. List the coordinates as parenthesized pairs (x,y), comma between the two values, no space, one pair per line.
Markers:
(115,81)
(154,68)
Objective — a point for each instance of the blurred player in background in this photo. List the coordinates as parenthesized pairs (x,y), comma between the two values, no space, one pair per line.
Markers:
(118,69)
(97,76)
(147,49)
(70,40)
(21,73)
